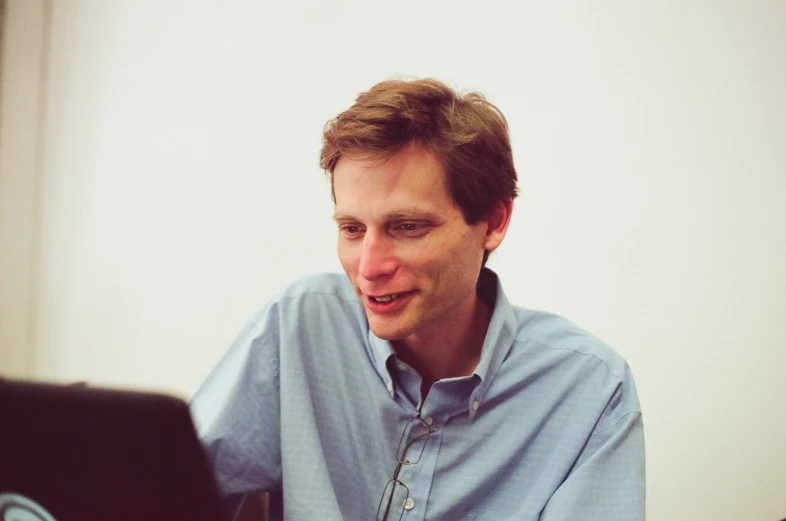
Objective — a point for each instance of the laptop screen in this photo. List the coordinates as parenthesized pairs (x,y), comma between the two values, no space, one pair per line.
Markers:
(76,453)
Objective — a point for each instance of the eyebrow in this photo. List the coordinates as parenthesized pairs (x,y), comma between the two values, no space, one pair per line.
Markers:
(394,216)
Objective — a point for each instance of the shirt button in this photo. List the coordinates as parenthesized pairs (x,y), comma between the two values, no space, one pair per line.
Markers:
(390,387)
(475,405)
(403,367)
(429,420)
(409,503)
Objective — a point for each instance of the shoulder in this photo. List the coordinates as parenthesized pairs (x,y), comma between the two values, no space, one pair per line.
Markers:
(560,359)
(321,289)
(328,285)
(554,336)
(311,301)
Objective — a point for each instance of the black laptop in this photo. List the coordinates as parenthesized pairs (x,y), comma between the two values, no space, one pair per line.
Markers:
(76,453)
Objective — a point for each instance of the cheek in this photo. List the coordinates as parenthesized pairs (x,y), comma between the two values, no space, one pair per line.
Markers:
(446,261)
(458,263)
(348,258)
(423,257)
(462,250)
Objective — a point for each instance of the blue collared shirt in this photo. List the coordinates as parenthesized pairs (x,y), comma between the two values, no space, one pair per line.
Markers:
(309,401)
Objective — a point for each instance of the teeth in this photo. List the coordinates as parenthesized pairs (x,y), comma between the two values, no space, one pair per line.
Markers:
(386,298)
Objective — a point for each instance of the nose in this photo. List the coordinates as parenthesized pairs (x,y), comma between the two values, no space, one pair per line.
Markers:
(377,258)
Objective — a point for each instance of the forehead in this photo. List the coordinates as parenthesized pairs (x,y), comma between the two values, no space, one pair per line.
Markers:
(412,179)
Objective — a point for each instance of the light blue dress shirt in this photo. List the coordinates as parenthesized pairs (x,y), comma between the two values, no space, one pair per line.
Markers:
(307,400)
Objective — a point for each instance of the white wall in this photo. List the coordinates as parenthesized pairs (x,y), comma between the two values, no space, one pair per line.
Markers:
(180,189)
(23,38)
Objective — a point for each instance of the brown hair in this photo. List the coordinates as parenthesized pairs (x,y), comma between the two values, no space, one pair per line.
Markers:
(467,133)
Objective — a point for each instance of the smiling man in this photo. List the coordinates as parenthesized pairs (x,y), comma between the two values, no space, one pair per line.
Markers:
(410,388)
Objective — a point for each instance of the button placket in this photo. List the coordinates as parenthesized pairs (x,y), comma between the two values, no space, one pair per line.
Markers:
(420,478)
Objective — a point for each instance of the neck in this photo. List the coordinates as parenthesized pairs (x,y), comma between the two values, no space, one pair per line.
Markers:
(451,351)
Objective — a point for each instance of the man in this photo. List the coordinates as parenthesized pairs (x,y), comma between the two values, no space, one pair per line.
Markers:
(410,388)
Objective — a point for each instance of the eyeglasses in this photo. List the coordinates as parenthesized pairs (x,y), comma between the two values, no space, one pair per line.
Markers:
(395,497)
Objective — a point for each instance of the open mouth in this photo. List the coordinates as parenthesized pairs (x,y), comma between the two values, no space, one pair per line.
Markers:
(391,301)
(386,298)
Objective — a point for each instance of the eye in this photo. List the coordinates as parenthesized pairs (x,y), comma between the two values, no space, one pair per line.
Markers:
(350,230)
(411,230)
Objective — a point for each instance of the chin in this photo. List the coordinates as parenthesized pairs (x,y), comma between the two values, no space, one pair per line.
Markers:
(389,332)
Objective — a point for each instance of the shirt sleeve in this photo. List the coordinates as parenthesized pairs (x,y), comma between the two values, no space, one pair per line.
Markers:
(607,482)
(237,411)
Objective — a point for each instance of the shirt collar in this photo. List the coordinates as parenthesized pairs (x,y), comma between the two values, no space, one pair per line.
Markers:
(499,339)
(381,351)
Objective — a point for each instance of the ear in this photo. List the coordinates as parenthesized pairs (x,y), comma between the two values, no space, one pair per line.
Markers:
(497,224)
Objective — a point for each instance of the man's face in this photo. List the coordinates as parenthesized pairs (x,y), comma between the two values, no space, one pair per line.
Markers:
(404,244)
